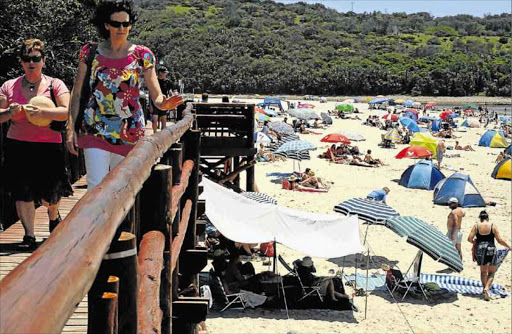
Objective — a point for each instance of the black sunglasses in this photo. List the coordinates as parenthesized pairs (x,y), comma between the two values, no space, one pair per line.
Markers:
(117,24)
(35,59)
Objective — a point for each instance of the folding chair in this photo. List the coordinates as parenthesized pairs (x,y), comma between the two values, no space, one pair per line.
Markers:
(220,294)
(306,290)
(396,279)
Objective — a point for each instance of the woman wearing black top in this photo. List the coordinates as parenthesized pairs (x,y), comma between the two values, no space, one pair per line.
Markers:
(482,237)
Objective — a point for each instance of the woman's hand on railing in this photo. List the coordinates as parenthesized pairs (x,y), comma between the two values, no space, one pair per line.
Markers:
(170,103)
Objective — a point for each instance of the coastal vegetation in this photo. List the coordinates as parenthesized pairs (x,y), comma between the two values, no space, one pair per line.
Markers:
(265,47)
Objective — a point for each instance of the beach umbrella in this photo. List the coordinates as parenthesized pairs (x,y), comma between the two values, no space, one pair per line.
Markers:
(296,155)
(409,124)
(416,105)
(399,101)
(425,140)
(261,117)
(259,110)
(367,210)
(281,127)
(444,114)
(430,105)
(260,137)
(335,138)
(469,106)
(427,238)
(353,136)
(393,135)
(394,117)
(345,107)
(296,145)
(414,152)
(408,103)
(452,115)
(259,197)
(284,138)
(378,100)
(326,118)
(347,101)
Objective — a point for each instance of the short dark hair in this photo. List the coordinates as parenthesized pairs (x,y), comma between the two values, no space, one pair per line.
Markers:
(108,7)
(483,215)
(162,69)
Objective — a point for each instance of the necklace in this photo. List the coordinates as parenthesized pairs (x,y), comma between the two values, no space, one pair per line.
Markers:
(32,85)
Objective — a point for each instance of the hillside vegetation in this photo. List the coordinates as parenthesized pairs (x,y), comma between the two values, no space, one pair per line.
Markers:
(226,46)
(267,47)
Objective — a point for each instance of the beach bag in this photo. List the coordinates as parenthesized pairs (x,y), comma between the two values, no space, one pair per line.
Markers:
(86,89)
(58,126)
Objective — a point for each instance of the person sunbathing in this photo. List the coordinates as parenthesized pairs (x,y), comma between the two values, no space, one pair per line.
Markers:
(463,148)
(372,161)
(268,156)
(311,181)
(445,134)
(303,130)
(316,125)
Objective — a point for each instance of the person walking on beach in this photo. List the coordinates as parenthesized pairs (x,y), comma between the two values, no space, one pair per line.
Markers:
(482,237)
(34,168)
(113,119)
(379,195)
(454,224)
(440,149)
(159,118)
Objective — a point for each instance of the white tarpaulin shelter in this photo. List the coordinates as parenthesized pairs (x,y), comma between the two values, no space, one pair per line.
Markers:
(244,220)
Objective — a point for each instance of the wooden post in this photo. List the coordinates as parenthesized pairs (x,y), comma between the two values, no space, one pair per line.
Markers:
(192,140)
(113,286)
(105,320)
(236,165)
(150,264)
(120,261)
(250,172)
(155,210)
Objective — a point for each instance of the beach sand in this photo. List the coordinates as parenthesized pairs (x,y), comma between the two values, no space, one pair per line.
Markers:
(463,314)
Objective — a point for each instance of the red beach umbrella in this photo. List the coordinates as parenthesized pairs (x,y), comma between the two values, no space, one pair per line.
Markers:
(306,105)
(259,110)
(394,117)
(414,152)
(430,105)
(414,111)
(445,114)
(335,138)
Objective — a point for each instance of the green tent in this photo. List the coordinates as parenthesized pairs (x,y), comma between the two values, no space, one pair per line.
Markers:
(468,106)
(346,107)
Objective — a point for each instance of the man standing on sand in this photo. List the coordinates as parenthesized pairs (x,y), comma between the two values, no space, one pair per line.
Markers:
(440,149)
(454,224)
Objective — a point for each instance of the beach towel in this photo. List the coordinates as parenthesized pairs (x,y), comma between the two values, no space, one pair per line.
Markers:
(463,285)
(375,282)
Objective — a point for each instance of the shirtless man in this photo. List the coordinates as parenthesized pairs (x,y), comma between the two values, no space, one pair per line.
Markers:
(454,224)
(441,148)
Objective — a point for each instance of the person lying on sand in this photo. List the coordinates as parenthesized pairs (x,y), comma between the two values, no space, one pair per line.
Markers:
(372,161)
(303,130)
(463,148)
(311,181)
(268,156)
(316,125)
(445,134)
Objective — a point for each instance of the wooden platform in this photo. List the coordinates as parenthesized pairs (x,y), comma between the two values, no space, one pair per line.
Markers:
(10,256)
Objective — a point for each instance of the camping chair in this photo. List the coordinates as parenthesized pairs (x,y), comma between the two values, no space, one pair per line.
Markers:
(220,294)
(395,279)
(306,290)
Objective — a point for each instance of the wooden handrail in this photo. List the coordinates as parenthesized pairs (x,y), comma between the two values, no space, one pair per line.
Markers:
(42,292)
(177,242)
(179,189)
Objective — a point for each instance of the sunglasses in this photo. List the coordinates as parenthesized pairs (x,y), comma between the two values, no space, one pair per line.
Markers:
(28,59)
(117,24)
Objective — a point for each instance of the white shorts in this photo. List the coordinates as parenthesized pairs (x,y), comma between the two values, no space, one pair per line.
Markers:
(458,237)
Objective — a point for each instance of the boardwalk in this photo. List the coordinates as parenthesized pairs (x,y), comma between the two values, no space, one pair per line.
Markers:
(10,257)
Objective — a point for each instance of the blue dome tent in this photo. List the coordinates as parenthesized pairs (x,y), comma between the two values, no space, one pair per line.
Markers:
(436,125)
(461,187)
(493,138)
(423,175)
(509,150)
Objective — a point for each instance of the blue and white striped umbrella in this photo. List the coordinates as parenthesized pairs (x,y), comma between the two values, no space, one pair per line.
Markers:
(281,127)
(259,197)
(296,145)
(427,238)
(296,155)
(285,138)
(368,210)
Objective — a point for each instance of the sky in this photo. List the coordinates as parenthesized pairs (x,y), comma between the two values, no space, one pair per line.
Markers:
(434,7)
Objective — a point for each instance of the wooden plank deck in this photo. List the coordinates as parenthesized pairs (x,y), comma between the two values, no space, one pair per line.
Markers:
(10,256)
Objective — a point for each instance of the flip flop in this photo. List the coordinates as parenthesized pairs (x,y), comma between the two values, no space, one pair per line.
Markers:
(486,295)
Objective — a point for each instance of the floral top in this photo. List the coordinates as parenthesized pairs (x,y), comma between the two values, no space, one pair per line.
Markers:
(114,112)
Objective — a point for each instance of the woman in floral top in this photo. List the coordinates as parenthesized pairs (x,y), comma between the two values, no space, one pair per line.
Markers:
(113,120)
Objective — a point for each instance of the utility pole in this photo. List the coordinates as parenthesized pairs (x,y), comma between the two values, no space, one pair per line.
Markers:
(352,6)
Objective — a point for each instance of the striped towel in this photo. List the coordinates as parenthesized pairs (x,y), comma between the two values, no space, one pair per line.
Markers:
(463,285)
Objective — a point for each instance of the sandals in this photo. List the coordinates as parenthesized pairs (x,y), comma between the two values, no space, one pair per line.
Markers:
(28,243)
(486,295)
(53,223)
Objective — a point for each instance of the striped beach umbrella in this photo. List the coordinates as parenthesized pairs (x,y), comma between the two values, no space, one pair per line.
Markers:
(259,197)
(393,135)
(368,210)
(352,135)
(281,127)
(284,138)
(296,155)
(427,238)
(296,145)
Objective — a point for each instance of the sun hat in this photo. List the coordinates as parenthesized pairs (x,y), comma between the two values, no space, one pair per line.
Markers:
(307,262)
(311,173)
(453,200)
(42,102)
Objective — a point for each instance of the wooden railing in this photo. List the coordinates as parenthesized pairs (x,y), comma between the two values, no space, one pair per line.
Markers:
(94,249)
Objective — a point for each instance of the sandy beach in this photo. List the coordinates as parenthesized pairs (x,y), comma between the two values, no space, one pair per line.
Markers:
(463,314)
